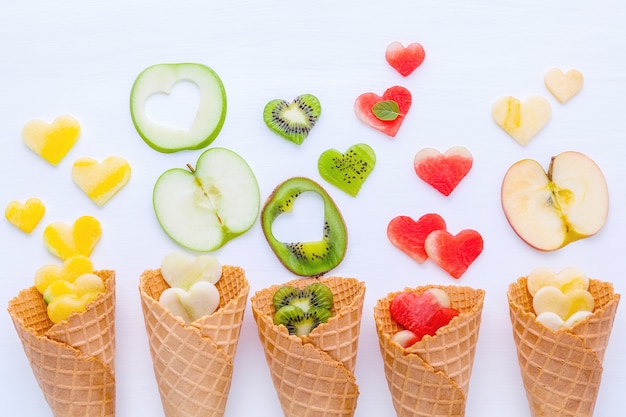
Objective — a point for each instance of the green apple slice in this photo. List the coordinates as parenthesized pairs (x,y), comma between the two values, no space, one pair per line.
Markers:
(204,208)
(160,79)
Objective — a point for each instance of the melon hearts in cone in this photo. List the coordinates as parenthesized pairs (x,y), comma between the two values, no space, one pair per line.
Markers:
(314,374)
(193,364)
(72,360)
(562,369)
(437,368)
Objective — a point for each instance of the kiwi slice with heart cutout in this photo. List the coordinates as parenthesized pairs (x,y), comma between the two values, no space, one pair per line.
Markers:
(293,121)
(313,258)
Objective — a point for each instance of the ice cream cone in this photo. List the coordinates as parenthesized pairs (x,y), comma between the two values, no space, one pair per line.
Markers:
(431,378)
(562,369)
(314,375)
(193,364)
(73,360)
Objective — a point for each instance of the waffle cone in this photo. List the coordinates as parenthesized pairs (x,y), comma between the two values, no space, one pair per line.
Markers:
(562,370)
(193,364)
(73,360)
(314,375)
(437,368)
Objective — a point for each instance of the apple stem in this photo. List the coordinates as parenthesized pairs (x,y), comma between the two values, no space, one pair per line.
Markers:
(550,168)
(191,168)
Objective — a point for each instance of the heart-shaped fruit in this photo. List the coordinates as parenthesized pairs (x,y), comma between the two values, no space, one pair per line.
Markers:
(72,268)
(385,113)
(409,235)
(25,216)
(101,180)
(51,141)
(454,253)
(63,306)
(443,171)
(522,120)
(84,284)
(554,322)
(347,171)
(293,121)
(567,279)
(562,304)
(210,116)
(563,86)
(63,240)
(405,60)
(182,271)
(200,300)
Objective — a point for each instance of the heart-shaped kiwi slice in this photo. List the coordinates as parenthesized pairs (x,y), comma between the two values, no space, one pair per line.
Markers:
(305,258)
(293,121)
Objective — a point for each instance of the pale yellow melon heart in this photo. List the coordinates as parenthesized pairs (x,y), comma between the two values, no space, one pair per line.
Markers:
(51,141)
(563,86)
(522,120)
(567,279)
(64,241)
(551,299)
(25,216)
(101,180)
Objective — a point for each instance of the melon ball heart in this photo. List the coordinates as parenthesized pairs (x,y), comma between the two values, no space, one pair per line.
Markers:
(550,209)
(208,120)
(204,208)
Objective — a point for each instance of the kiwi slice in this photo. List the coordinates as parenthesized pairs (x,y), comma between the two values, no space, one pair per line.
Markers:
(305,258)
(300,322)
(312,296)
(293,121)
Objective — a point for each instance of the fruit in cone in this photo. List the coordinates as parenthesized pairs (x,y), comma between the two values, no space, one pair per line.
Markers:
(314,374)
(438,366)
(73,360)
(193,363)
(549,210)
(562,369)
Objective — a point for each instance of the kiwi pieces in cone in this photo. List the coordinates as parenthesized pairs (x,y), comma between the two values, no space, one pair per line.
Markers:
(307,259)
(303,310)
(293,121)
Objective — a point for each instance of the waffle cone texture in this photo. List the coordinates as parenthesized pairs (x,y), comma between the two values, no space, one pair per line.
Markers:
(193,364)
(73,360)
(431,378)
(561,370)
(314,375)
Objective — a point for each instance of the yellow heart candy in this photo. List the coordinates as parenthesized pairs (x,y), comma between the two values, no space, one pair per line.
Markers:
(521,120)
(563,86)
(72,268)
(63,240)
(51,141)
(101,181)
(25,216)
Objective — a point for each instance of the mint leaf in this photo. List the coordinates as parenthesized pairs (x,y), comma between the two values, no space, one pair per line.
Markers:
(386,110)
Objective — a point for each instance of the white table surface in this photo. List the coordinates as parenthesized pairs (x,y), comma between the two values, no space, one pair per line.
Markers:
(81,58)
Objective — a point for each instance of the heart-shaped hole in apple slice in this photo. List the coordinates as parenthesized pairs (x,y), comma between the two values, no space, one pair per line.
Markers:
(178,108)
(305,221)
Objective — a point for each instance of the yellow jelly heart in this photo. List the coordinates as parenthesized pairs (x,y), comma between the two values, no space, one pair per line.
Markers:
(63,240)
(25,216)
(522,120)
(72,268)
(51,141)
(101,181)
(563,86)
(61,307)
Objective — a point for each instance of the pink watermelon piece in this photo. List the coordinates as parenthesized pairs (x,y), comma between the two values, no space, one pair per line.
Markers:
(421,314)
(405,60)
(443,171)
(366,101)
(454,253)
(442,317)
(409,235)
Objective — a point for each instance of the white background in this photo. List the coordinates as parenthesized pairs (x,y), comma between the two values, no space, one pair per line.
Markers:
(81,58)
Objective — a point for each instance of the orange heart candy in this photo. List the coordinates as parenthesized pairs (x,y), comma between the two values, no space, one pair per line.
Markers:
(101,181)
(25,216)
(51,141)
(63,240)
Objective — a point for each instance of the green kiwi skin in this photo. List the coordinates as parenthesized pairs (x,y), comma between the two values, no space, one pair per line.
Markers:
(308,104)
(306,258)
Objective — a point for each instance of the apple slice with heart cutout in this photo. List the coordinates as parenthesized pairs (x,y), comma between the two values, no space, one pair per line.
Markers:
(204,208)
(549,210)
(210,116)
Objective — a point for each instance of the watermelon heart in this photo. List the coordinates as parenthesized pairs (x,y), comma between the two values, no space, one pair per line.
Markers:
(366,101)
(347,171)
(422,313)
(405,60)
(409,235)
(454,253)
(443,171)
